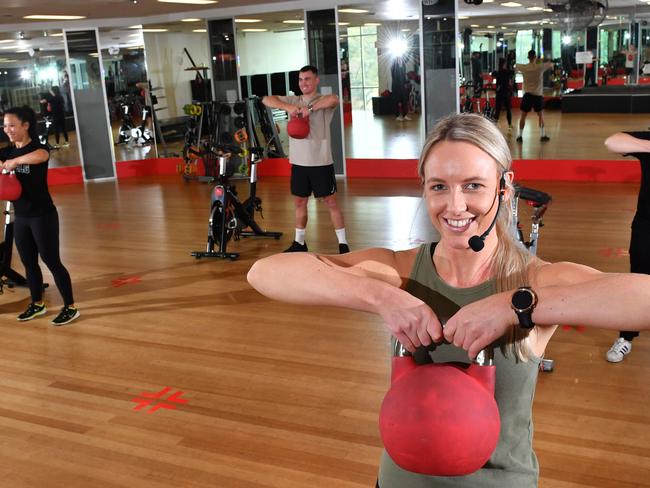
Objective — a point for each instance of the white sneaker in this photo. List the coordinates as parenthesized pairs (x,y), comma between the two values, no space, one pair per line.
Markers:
(619,350)
(399,118)
(406,117)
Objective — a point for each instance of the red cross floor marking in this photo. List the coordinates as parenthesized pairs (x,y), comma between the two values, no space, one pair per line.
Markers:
(152,398)
(129,280)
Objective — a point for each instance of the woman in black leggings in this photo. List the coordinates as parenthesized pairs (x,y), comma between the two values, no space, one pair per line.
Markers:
(36,228)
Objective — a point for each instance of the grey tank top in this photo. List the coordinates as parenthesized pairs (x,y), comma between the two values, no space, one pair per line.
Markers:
(513,464)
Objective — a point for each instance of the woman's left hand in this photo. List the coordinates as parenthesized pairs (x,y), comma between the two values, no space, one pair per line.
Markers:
(478,324)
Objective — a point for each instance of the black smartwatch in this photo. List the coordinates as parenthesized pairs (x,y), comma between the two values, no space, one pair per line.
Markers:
(523,303)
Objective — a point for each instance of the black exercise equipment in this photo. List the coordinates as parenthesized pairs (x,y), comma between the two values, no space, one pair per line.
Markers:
(540,201)
(141,134)
(229,216)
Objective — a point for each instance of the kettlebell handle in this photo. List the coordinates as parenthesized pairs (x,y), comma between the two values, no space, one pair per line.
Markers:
(483,358)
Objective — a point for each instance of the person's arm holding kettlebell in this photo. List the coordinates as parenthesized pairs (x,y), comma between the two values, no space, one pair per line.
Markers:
(35,157)
(567,293)
(273,101)
(370,280)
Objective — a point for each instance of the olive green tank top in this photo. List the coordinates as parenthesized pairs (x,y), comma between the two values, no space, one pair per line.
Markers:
(513,464)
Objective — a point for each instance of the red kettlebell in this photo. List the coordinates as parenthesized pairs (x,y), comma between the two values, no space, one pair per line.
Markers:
(298,127)
(10,187)
(440,419)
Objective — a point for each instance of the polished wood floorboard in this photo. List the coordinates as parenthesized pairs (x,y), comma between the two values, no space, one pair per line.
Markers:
(277,395)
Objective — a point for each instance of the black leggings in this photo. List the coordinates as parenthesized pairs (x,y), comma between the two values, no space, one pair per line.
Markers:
(59,126)
(639,258)
(40,235)
(503,101)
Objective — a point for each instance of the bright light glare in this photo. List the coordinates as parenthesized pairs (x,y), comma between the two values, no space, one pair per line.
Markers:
(397,47)
(25,74)
(566,40)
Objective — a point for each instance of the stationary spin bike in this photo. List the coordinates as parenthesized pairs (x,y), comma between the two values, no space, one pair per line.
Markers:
(229,216)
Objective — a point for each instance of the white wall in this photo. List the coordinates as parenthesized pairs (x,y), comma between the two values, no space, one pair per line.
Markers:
(271,52)
(166,63)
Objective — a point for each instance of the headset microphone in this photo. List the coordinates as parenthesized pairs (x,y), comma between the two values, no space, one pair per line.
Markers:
(478,242)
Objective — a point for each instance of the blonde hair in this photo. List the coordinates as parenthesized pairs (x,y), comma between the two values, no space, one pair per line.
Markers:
(511,261)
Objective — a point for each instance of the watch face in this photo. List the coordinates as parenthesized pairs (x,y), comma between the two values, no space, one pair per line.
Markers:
(522,299)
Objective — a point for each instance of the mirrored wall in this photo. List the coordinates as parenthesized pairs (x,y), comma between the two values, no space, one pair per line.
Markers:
(33,72)
(128,96)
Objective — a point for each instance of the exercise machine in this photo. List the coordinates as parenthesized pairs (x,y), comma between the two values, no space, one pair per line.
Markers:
(229,216)
(141,134)
(540,201)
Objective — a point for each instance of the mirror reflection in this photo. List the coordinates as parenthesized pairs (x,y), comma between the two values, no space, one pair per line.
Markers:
(33,72)
(594,70)
(128,94)
(271,49)
(380,68)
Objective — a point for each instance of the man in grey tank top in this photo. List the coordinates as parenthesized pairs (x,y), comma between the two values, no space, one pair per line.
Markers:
(312,165)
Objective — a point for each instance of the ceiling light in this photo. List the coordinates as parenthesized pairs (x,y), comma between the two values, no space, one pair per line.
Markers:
(55,17)
(4,41)
(192,2)
(488,1)
(254,30)
(191,20)
(475,25)
(534,8)
(344,23)
(463,17)
(247,21)
(154,30)
(511,4)
(503,27)
(547,10)
(295,21)
(490,27)
(353,11)
(370,24)
(135,26)
(58,34)
(406,30)
(199,30)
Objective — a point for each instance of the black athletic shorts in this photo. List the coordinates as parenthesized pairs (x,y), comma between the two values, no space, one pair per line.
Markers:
(319,180)
(531,101)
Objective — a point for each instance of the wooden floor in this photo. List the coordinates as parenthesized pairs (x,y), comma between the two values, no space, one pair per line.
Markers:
(277,395)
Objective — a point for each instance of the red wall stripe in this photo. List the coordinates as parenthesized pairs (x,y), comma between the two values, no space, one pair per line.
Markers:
(613,171)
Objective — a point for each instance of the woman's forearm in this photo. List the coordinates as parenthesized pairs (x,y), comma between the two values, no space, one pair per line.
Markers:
(35,157)
(625,143)
(305,279)
(616,301)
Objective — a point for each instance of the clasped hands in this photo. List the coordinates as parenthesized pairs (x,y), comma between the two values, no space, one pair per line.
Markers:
(10,164)
(472,328)
(299,112)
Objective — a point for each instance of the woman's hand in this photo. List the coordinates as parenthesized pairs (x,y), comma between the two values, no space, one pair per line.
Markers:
(10,164)
(410,320)
(478,324)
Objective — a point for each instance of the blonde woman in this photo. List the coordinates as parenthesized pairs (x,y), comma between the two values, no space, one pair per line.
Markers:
(466,174)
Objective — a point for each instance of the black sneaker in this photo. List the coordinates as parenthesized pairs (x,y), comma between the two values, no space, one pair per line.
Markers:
(544,138)
(520,139)
(33,311)
(343,248)
(296,247)
(66,315)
